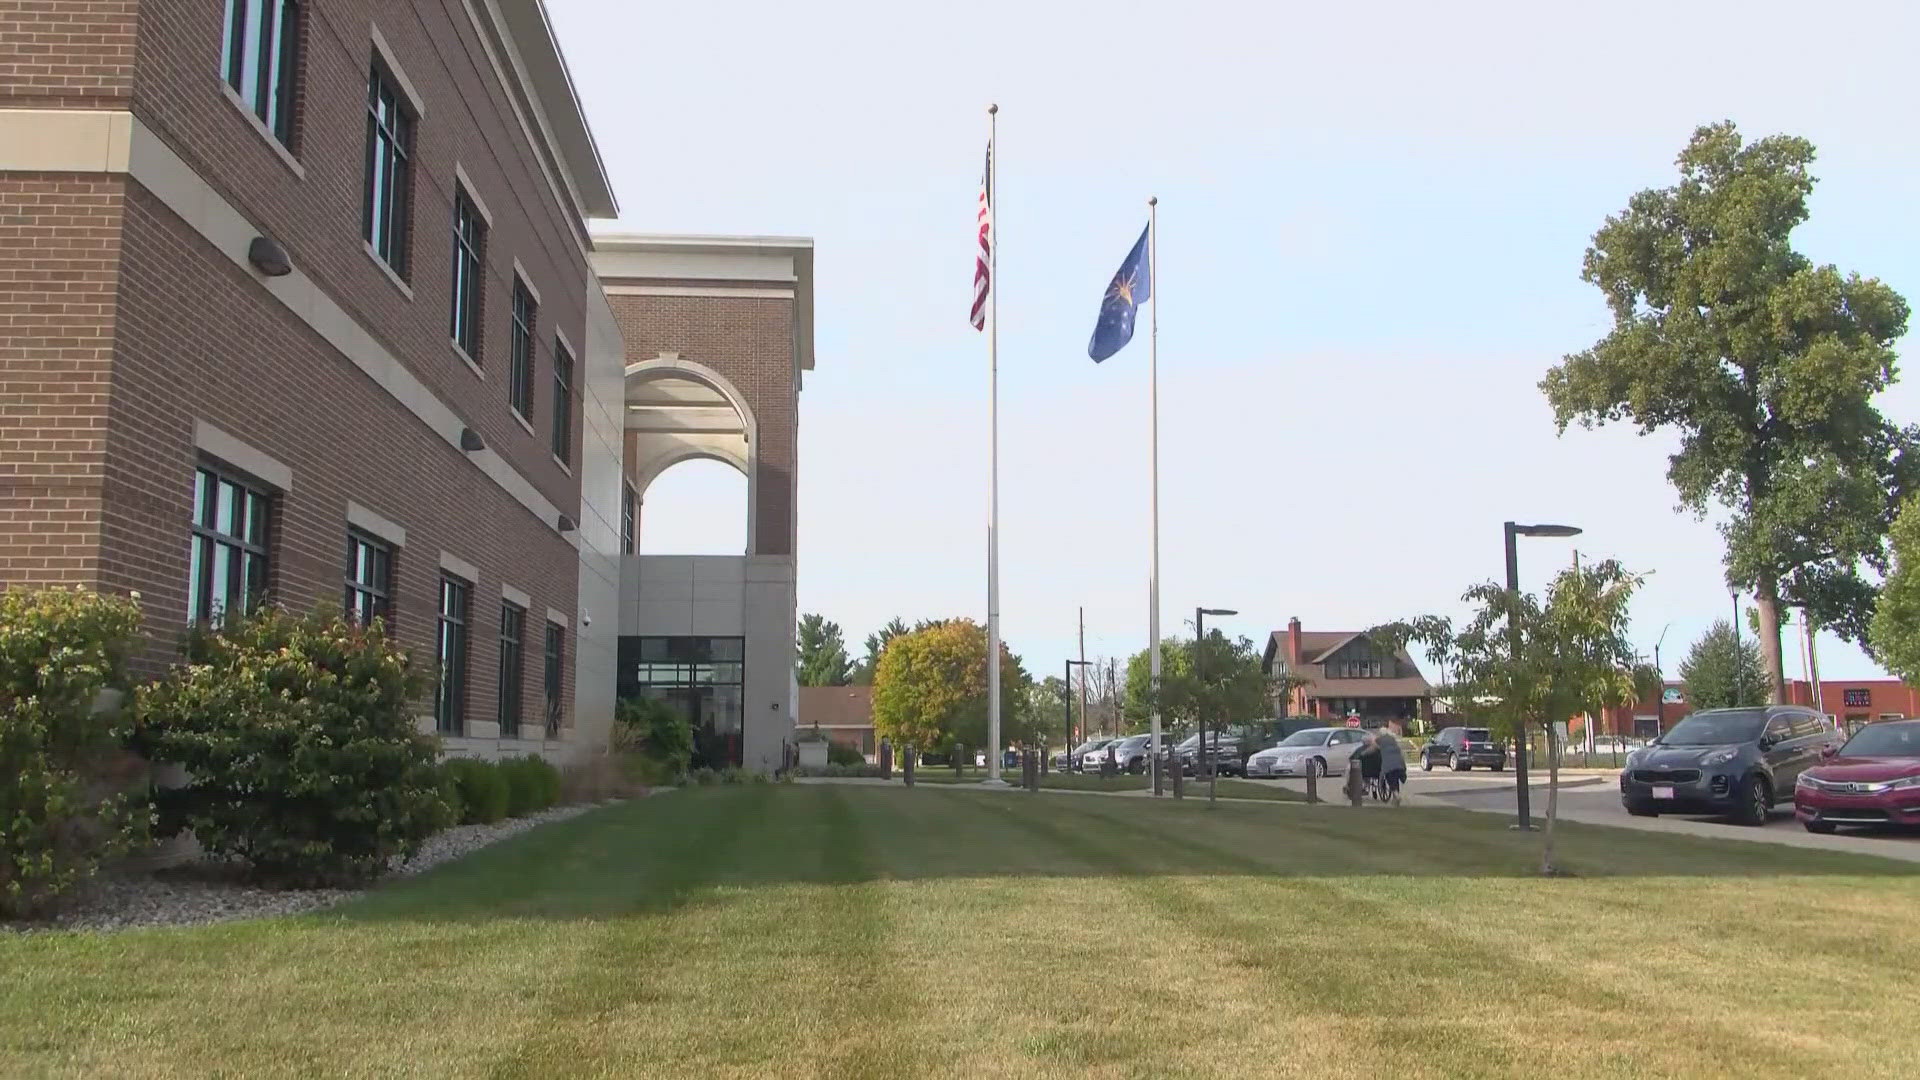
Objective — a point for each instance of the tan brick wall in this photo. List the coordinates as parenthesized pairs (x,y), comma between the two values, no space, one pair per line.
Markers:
(750,341)
(59,267)
(67,54)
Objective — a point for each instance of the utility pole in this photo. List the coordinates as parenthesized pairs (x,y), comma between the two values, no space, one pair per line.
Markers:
(1813,664)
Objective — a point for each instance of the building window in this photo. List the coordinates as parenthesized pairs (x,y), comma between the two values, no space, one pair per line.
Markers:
(228,564)
(389,174)
(562,404)
(702,677)
(369,578)
(450,698)
(513,625)
(556,657)
(629,518)
(258,59)
(520,375)
(469,241)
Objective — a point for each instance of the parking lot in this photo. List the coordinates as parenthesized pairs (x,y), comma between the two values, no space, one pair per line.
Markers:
(1593,797)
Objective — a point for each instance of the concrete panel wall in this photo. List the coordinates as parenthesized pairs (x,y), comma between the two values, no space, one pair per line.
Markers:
(602,445)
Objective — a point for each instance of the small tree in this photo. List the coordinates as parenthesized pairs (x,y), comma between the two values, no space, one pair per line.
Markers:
(1137,701)
(1518,660)
(299,738)
(930,691)
(659,732)
(1721,671)
(59,651)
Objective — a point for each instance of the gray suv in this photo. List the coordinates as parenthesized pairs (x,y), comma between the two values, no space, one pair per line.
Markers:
(1737,762)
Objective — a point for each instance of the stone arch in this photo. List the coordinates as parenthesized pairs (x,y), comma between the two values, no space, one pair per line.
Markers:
(680,410)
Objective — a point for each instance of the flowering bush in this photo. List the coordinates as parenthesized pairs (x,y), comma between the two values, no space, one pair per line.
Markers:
(59,650)
(299,738)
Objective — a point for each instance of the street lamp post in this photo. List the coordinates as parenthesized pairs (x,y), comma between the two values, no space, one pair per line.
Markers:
(1199,651)
(1513,638)
(1737,658)
(1660,703)
(1067,692)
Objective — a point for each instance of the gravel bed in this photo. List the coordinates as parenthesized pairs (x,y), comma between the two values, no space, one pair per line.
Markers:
(195,895)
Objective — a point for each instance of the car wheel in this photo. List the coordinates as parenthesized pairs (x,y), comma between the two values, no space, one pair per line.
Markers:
(1642,811)
(1502,767)
(1824,828)
(1754,802)
(1426,762)
(1318,766)
(1459,763)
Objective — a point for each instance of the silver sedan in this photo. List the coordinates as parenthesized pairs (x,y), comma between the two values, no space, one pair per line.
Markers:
(1316,750)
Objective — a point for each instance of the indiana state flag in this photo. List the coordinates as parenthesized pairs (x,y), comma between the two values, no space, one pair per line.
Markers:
(1131,287)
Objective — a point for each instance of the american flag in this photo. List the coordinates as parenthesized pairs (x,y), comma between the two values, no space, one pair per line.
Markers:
(983,259)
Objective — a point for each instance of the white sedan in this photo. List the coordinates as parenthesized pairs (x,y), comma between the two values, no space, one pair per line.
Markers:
(1315,750)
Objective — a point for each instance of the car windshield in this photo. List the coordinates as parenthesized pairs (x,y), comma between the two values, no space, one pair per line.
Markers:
(1091,745)
(1188,743)
(1134,742)
(1885,740)
(1717,728)
(1312,737)
(1479,734)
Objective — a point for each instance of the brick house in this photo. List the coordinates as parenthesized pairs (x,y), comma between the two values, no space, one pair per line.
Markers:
(1347,672)
(1849,702)
(844,714)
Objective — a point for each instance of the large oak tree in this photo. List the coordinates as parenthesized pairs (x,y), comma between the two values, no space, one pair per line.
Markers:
(1766,367)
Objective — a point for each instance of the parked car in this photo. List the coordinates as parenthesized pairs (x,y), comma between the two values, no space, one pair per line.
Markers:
(1071,760)
(1317,750)
(1461,748)
(1874,779)
(1224,750)
(1129,754)
(1726,761)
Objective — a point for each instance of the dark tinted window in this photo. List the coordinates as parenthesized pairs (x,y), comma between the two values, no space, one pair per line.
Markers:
(1717,728)
(1886,740)
(1479,734)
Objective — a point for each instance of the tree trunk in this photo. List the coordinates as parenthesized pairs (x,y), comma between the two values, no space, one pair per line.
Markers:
(1766,601)
(1553,798)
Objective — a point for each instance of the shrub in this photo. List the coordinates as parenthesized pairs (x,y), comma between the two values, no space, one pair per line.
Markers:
(484,794)
(449,787)
(597,778)
(657,731)
(842,754)
(861,770)
(533,784)
(299,737)
(59,650)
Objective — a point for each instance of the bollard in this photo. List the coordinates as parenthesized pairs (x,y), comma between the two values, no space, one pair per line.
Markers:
(959,755)
(1033,770)
(1313,784)
(1179,779)
(1356,790)
(886,760)
(1159,776)
(906,765)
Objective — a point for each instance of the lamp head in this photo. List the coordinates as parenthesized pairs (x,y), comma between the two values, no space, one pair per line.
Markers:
(1547,530)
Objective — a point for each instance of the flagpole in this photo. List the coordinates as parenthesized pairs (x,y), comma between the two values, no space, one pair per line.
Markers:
(1153,380)
(993,380)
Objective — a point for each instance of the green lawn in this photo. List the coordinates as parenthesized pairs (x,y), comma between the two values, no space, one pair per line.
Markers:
(850,931)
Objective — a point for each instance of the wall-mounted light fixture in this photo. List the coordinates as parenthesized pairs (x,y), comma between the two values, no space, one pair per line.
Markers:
(470,441)
(566,524)
(268,257)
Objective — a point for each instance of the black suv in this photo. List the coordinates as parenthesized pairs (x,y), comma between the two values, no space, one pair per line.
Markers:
(1737,762)
(1461,748)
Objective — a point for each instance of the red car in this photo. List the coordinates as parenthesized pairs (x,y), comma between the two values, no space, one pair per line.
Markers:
(1872,780)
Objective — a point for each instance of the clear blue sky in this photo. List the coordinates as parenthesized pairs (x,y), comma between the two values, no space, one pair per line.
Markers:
(1372,221)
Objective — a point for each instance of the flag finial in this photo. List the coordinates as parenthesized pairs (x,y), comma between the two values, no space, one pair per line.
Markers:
(1153,200)
(991,109)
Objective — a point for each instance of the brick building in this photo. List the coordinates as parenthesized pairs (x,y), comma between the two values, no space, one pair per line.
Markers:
(844,714)
(1849,702)
(298,302)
